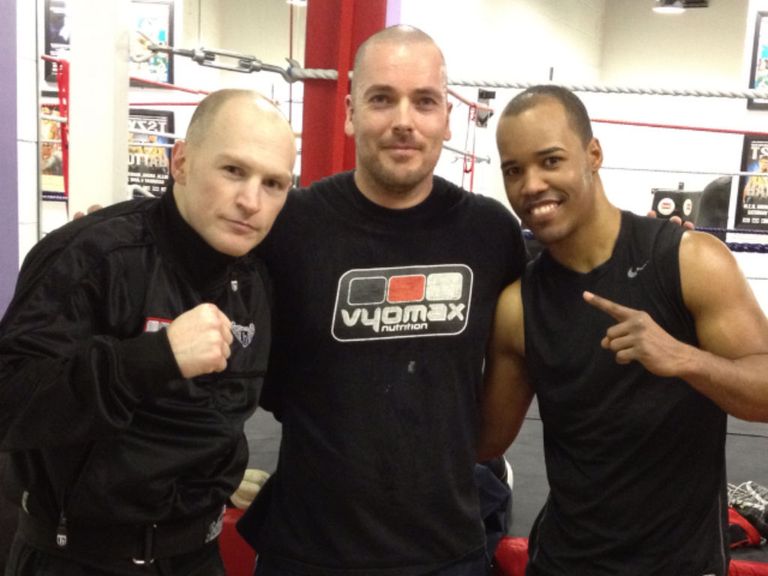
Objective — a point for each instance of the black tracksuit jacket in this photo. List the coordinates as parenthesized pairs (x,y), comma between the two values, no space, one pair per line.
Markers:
(100,426)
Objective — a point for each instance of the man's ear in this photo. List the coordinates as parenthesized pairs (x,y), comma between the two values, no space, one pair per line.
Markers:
(179,162)
(447,135)
(349,128)
(595,154)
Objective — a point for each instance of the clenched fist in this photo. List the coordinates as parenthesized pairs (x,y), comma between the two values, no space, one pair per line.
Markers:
(200,340)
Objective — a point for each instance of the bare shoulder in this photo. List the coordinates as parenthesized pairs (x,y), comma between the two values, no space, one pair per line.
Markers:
(729,320)
(702,245)
(707,268)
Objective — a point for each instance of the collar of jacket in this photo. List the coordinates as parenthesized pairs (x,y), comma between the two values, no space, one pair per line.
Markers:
(198,260)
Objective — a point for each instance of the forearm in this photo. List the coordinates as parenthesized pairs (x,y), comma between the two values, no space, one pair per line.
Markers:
(500,423)
(496,435)
(738,386)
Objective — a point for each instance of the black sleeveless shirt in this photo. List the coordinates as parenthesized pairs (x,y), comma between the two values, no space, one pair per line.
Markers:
(635,462)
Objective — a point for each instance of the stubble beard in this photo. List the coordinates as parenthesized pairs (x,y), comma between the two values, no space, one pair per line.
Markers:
(396,181)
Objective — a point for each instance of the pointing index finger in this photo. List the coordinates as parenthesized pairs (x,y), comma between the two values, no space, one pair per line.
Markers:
(617,311)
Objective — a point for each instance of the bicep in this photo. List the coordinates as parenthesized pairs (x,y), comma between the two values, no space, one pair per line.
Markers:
(507,394)
(506,376)
(729,320)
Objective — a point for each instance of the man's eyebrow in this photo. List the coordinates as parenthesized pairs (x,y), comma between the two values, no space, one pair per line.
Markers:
(228,157)
(539,154)
(386,88)
(378,88)
(550,150)
(508,164)
(232,158)
(429,91)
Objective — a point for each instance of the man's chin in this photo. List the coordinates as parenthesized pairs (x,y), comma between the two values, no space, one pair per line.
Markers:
(544,234)
(239,247)
(403,181)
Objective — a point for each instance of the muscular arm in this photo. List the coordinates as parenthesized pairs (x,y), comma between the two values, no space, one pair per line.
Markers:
(731,365)
(507,394)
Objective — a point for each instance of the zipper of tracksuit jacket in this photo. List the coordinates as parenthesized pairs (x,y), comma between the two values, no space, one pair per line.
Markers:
(61,529)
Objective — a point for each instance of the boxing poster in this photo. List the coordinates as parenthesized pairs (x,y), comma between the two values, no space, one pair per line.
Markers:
(57,31)
(752,204)
(149,152)
(759,71)
(51,156)
(151,23)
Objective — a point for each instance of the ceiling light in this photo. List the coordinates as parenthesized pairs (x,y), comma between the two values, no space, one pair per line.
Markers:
(297,2)
(669,7)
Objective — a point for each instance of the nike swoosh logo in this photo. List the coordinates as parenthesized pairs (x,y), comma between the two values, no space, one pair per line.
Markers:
(633,272)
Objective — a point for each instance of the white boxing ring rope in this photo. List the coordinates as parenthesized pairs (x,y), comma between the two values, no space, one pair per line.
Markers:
(295,72)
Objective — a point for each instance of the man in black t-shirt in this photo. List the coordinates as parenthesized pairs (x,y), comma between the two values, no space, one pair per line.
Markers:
(385,283)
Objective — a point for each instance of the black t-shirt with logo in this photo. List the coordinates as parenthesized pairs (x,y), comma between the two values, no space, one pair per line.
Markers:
(381,323)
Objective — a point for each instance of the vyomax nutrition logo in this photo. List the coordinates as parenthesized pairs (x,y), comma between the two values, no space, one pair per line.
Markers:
(405,302)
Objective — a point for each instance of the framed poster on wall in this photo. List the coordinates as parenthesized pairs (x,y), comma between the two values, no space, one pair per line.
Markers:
(56,36)
(758,76)
(752,202)
(51,154)
(151,23)
(149,151)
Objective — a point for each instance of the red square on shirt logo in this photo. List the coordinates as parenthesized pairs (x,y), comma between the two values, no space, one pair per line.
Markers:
(406,288)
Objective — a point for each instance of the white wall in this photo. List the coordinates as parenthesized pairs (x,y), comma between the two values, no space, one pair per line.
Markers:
(500,40)
(702,47)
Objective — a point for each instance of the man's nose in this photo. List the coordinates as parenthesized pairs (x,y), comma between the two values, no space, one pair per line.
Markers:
(533,181)
(249,198)
(403,115)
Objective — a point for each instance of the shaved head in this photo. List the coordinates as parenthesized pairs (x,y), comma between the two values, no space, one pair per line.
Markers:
(401,35)
(211,105)
(233,172)
(575,111)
